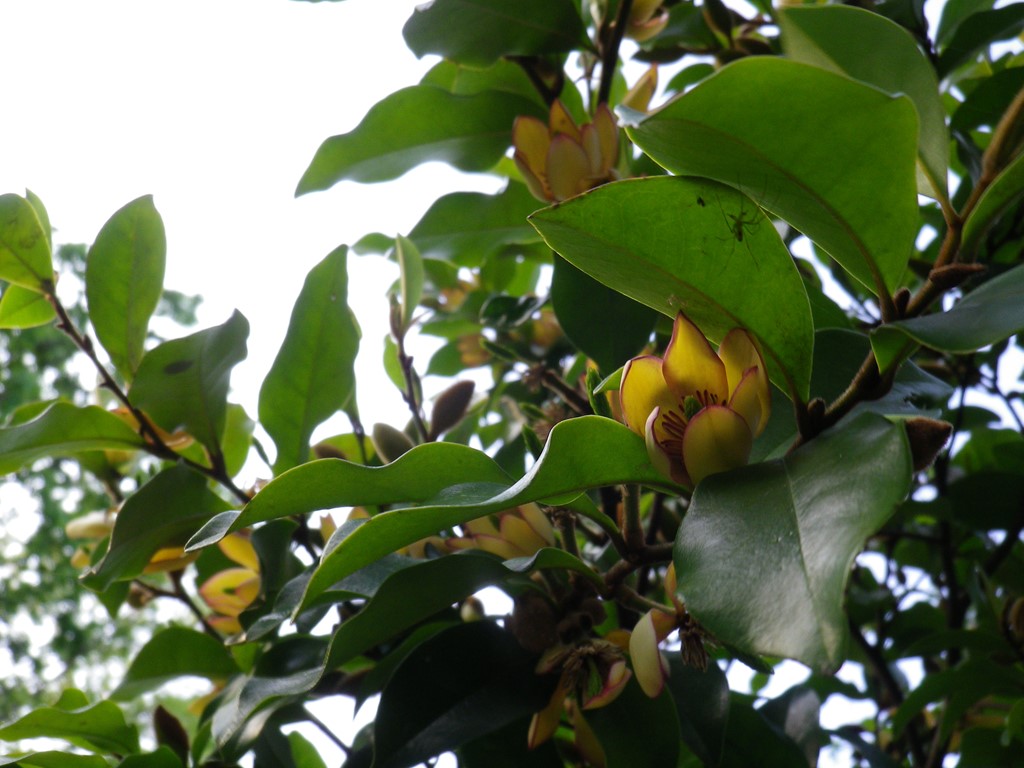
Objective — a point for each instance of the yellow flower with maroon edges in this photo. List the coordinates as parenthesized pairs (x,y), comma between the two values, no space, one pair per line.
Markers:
(699,410)
(231,591)
(562,159)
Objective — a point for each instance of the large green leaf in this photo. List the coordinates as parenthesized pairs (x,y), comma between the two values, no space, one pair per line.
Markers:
(413,594)
(172,653)
(24,246)
(836,38)
(587,452)
(417,476)
(414,125)
(987,315)
(601,322)
(124,278)
(636,731)
(162,513)
(100,727)
(61,429)
(55,759)
(694,246)
(832,156)
(702,704)
(479,32)
(466,227)
(764,552)
(21,307)
(1003,192)
(312,377)
(425,709)
(183,383)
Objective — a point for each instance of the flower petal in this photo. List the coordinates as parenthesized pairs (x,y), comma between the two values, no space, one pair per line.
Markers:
(539,522)
(545,722)
(740,353)
(517,532)
(568,168)
(614,682)
(691,367)
(649,665)
(643,389)
(560,122)
(239,548)
(716,440)
(746,401)
(669,463)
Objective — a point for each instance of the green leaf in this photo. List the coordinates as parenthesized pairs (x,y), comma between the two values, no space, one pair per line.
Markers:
(44,217)
(797,714)
(977,32)
(581,453)
(986,315)
(304,753)
(162,513)
(751,739)
(601,322)
(842,170)
(507,748)
(418,475)
(100,727)
(764,552)
(702,704)
(164,757)
(124,278)
(479,32)
(24,246)
(312,377)
(425,709)
(21,307)
(462,80)
(410,264)
(417,592)
(466,227)
(694,246)
(61,429)
(636,731)
(416,125)
(54,759)
(183,383)
(836,38)
(1004,191)
(172,653)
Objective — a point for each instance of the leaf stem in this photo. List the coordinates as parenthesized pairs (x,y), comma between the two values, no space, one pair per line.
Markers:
(154,443)
(610,38)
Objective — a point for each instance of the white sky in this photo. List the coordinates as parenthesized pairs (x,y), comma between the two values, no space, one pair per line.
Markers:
(216,109)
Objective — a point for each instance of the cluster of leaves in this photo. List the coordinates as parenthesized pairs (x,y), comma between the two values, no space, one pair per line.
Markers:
(791,144)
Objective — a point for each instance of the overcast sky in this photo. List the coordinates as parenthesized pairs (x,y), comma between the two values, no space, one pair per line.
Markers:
(216,109)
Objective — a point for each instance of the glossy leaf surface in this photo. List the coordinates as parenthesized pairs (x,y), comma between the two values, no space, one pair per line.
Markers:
(986,315)
(833,157)
(124,277)
(24,246)
(99,727)
(183,383)
(693,246)
(1006,189)
(836,37)
(172,653)
(464,227)
(479,32)
(425,709)
(763,555)
(162,513)
(605,325)
(312,377)
(581,453)
(61,429)
(415,125)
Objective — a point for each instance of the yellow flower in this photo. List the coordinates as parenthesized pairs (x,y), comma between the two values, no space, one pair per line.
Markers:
(519,532)
(646,19)
(698,410)
(561,159)
(231,591)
